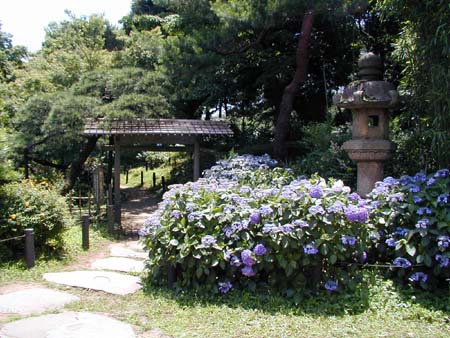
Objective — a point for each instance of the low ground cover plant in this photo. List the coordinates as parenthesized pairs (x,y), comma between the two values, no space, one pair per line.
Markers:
(249,225)
(30,204)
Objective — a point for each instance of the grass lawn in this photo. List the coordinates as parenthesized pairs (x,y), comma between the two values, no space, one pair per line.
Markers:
(377,309)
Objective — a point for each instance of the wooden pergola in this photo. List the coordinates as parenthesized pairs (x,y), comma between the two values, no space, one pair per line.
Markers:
(145,134)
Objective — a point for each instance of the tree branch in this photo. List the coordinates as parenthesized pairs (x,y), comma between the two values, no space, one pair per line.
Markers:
(262,35)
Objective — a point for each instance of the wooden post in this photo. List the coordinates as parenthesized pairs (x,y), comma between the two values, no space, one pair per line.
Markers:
(163,184)
(154,179)
(110,213)
(117,203)
(30,256)
(146,166)
(110,195)
(142,178)
(126,177)
(85,231)
(80,206)
(196,160)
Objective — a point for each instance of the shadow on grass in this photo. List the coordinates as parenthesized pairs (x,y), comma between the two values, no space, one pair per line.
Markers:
(322,303)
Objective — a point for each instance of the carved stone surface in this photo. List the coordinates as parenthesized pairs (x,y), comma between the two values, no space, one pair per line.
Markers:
(369,99)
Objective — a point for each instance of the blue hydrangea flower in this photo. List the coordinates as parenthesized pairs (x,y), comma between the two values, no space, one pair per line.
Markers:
(414,188)
(227,231)
(336,208)
(431,181)
(356,214)
(310,249)
(247,257)
(397,197)
(423,223)
(316,191)
(363,257)
(331,285)
(255,218)
(191,217)
(401,231)
(443,241)
(405,180)
(424,211)
(316,209)
(391,242)
(225,287)
(259,250)
(269,228)
(419,277)
(248,271)
(354,197)
(402,262)
(348,240)
(390,181)
(443,261)
(300,223)
(442,198)
(287,228)
(442,173)
(417,199)
(208,240)
(420,177)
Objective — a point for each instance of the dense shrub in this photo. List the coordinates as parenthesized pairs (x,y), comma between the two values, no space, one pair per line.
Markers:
(32,205)
(246,226)
(413,220)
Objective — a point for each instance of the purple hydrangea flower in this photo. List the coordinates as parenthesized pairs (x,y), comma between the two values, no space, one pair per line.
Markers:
(266,210)
(176,214)
(336,207)
(390,181)
(287,228)
(259,250)
(402,262)
(224,287)
(417,199)
(310,249)
(442,173)
(419,277)
(443,261)
(442,198)
(208,240)
(316,209)
(354,197)
(363,257)
(443,241)
(423,223)
(191,217)
(227,231)
(330,285)
(248,271)
(356,214)
(235,261)
(391,242)
(143,232)
(255,218)
(348,240)
(405,180)
(315,191)
(300,223)
(227,255)
(246,257)
(424,211)
(397,197)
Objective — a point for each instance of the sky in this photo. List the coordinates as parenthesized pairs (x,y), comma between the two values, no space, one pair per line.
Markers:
(25,20)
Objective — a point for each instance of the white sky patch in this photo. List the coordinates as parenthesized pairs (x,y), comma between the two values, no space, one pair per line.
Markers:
(26,19)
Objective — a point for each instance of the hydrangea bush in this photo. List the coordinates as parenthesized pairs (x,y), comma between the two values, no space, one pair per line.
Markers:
(247,224)
(413,221)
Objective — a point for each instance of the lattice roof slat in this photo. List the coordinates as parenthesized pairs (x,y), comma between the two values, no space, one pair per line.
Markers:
(160,127)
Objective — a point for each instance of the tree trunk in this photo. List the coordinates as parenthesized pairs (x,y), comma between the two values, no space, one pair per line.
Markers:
(292,90)
(77,165)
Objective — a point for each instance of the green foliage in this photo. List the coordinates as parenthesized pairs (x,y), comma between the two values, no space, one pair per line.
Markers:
(413,221)
(10,57)
(29,204)
(210,231)
(322,145)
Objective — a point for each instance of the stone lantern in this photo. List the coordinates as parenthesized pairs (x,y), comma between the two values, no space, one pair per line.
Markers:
(369,99)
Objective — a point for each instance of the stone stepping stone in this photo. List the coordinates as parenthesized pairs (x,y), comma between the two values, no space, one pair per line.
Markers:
(135,245)
(119,264)
(121,251)
(111,282)
(36,300)
(67,325)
